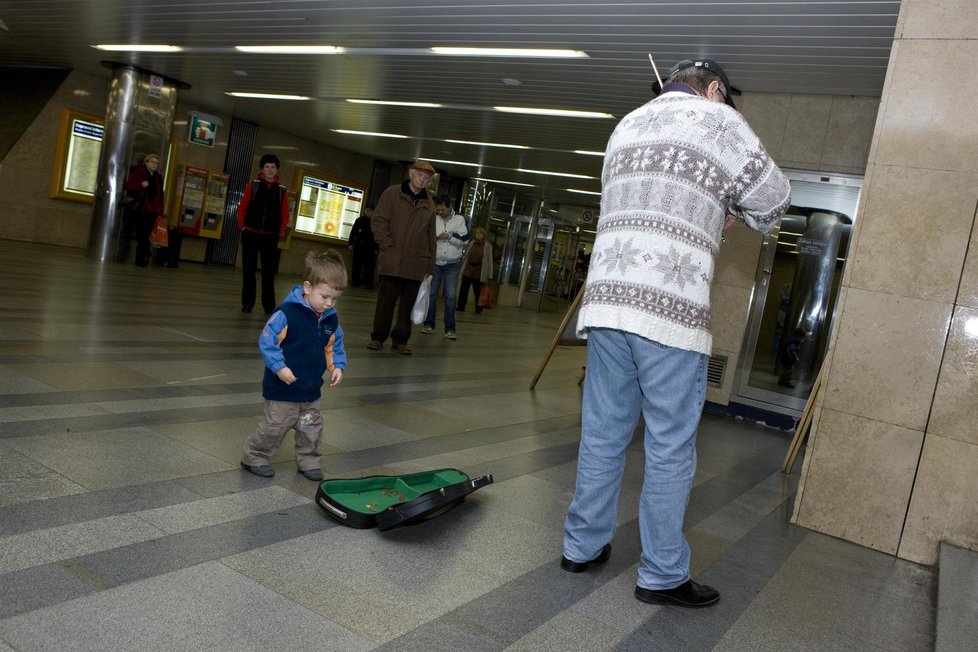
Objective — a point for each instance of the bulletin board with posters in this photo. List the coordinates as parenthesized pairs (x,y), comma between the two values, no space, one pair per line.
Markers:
(215,201)
(192,196)
(327,207)
(76,156)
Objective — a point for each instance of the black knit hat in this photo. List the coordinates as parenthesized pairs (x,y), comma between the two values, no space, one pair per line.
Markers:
(714,67)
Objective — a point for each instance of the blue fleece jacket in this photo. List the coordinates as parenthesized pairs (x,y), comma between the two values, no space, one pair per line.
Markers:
(310,345)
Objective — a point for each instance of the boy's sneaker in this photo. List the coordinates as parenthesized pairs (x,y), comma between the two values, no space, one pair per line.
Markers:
(450,335)
(316,475)
(262,470)
(427,330)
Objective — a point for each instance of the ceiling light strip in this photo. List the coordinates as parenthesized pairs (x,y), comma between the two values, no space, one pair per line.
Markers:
(138,48)
(564,113)
(481,144)
(289,49)
(375,134)
(509,52)
(268,96)
(428,105)
(555,174)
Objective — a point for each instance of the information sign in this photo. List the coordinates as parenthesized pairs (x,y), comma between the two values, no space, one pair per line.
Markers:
(327,208)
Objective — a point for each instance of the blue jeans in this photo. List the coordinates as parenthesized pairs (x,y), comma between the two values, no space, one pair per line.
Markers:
(628,375)
(447,274)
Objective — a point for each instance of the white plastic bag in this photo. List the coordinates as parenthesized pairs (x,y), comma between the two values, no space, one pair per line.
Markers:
(420,310)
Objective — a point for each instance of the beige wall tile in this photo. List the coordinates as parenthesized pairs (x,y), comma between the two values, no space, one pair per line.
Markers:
(767,115)
(915,238)
(728,307)
(805,130)
(939,19)
(954,414)
(737,260)
(887,357)
(858,479)
(943,505)
(926,122)
(849,133)
(968,288)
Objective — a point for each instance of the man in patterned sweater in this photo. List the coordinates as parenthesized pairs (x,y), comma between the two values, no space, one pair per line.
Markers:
(678,171)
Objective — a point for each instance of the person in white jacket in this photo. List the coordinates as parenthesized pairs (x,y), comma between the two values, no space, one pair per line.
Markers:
(451,235)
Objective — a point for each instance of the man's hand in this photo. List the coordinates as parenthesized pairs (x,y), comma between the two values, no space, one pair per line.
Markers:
(729,221)
(336,377)
(444,235)
(285,375)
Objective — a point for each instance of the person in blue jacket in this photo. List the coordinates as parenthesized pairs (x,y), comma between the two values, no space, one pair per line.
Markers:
(301,341)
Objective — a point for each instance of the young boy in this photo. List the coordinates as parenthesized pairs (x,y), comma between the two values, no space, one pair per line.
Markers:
(301,340)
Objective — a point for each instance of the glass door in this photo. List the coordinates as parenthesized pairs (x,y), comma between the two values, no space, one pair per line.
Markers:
(796,286)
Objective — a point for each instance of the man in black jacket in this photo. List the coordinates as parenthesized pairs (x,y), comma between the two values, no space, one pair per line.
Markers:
(364,249)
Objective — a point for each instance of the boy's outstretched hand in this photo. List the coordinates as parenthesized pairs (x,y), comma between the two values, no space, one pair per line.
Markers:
(336,377)
(285,375)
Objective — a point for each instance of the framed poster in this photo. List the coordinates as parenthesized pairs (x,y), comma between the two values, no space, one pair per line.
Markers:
(76,156)
(327,208)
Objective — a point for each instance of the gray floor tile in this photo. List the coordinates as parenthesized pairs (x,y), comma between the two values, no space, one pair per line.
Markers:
(23,479)
(957,625)
(196,608)
(222,509)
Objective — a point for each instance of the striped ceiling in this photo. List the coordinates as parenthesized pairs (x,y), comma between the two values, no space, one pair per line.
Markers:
(808,46)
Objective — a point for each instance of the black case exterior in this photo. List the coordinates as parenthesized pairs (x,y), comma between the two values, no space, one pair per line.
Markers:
(427,505)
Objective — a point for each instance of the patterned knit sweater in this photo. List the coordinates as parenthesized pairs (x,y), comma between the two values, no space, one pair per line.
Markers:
(672,170)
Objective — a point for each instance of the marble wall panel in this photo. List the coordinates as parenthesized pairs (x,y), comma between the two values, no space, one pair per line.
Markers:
(943,19)
(954,415)
(859,478)
(914,247)
(928,120)
(806,130)
(728,306)
(736,263)
(767,114)
(887,357)
(968,287)
(943,505)
(849,133)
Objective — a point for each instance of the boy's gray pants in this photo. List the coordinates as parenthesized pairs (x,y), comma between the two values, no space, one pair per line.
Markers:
(280,416)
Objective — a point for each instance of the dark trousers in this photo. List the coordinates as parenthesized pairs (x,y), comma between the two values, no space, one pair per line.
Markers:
(253,245)
(463,293)
(394,290)
(143,224)
(363,267)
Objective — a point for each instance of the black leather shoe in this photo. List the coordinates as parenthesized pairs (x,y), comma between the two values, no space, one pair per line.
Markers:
(689,594)
(581,566)
(316,475)
(262,470)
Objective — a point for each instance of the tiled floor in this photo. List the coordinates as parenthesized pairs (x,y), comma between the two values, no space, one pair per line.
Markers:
(126,524)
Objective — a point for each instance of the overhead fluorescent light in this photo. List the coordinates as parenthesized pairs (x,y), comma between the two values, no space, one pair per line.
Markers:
(376,134)
(588,152)
(556,174)
(475,142)
(583,192)
(509,52)
(554,112)
(289,49)
(509,183)
(437,160)
(427,105)
(132,47)
(269,96)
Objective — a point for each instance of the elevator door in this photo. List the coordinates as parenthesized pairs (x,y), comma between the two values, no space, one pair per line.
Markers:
(796,285)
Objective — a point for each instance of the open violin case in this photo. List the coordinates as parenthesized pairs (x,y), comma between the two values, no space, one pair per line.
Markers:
(390,501)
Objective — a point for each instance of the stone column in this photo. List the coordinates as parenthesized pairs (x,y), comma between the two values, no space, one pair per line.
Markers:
(892,454)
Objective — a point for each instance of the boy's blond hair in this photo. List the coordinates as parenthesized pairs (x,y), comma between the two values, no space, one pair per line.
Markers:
(325,267)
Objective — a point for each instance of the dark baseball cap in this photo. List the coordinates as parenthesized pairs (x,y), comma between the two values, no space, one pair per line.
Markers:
(714,67)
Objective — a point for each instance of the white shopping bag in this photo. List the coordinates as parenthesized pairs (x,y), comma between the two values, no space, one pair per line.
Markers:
(420,310)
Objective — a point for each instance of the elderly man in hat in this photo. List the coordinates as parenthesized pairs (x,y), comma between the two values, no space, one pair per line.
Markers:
(403,226)
(678,171)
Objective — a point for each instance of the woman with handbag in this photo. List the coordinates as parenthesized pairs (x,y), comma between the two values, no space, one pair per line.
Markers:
(144,203)
(476,270)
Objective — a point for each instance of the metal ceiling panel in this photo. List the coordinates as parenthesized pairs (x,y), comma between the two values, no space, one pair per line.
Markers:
(809,46)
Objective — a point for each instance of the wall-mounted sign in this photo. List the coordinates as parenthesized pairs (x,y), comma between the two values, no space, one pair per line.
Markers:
(327,208)
(76,157)
(202,131)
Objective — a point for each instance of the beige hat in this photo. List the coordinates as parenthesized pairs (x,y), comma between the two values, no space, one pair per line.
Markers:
(424,166)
